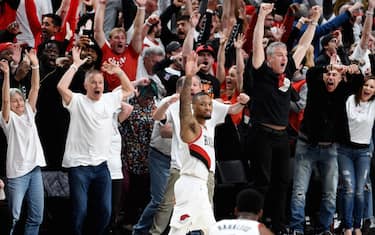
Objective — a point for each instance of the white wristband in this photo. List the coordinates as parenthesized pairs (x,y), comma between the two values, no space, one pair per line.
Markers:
(35,66)
(13,65)
(73,66)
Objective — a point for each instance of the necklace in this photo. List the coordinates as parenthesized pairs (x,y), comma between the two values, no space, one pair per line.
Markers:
(46,76)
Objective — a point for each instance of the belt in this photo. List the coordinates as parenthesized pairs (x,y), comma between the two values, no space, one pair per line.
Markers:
(323,145)
(271,130)
(158,151)
(357,146)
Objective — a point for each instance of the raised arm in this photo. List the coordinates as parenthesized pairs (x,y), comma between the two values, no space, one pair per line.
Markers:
(227,14)
(5,104)
(338,21)
(99,34)
(159,113)
(166,34)
(126,110)
(258,51)
(242,100)
(150,21)
(220,69)
(137,39)
(35,78)
(238,43)
(190,128)
(188,7)
(126,86)
(367,26)
(188,45)
(17,54)
(63,9)
(64,83)
(307,36)
(71,18)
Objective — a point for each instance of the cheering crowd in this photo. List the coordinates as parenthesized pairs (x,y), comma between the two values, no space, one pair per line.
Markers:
(129,105)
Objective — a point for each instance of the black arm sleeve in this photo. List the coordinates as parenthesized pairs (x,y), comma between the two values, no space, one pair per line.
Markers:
(13,3)
(166,34)
(327,9)
(5,36)
(341,52)
(372,62)
(293,36)
(230,51)
(204,33)
(315,73)
(129,10)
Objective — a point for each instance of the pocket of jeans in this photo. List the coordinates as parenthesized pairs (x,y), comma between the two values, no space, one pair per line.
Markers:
(301,148)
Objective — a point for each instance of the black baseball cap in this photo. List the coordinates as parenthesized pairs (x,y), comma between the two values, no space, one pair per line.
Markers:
(172,46)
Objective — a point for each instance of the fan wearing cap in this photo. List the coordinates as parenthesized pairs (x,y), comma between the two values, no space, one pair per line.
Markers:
(206,58)
(9,34)
(6,51)
(170,69)
(271,96)
(116,50)
(332,46)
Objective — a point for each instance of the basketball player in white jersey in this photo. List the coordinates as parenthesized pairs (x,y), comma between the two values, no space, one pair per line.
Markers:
(193,210)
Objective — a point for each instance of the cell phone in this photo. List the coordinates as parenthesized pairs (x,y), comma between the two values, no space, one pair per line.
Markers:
(87,32)
(195,232)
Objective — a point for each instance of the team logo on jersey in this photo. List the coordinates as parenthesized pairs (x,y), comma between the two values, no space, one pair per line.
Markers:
(285,85)
(201,154)
(184,217)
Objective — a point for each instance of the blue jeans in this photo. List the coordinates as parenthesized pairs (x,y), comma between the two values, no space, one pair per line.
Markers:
(368,209)
(159,165)
(92,182)
(306,157)
(354,167)
(30,188)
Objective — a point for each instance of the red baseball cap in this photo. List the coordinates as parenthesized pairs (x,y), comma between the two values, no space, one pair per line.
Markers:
(250,9)
(5,45)
(205,47)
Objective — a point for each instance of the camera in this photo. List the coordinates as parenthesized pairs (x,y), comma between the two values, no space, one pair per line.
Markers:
(195,232)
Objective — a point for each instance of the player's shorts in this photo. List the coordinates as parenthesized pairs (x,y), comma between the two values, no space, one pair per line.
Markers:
(192,211)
